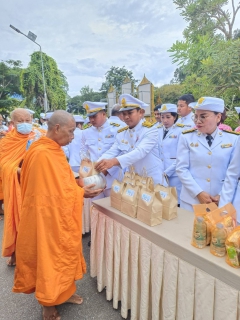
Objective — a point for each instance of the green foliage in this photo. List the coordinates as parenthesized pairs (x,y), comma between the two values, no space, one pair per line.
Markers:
(9,85)
(32,83)
(86,94)
(168,93)
(115,77)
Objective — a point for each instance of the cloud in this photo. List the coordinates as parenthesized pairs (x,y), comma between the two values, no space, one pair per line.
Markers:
(86,38)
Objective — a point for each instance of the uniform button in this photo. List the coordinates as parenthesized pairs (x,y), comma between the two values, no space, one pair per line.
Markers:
(208,180)
(99,148)
(209,166)
(99,139)
(132,147)
(131,135)
(209,152)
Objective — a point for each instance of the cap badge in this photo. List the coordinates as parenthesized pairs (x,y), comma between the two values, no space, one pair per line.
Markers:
(124,102)
(164,107)
(87,107)
(201,100)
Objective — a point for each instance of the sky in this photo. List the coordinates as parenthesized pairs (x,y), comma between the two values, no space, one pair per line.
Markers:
(86,38)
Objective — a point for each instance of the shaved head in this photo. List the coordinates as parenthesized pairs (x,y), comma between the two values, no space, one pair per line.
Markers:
(60,117)
(19,112)
(61,126)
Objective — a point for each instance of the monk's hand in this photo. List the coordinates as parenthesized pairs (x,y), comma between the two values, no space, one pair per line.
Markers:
(216,199)
(204,197)
(106,164)
(90,193)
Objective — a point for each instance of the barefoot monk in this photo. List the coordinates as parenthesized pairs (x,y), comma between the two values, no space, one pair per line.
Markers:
(49,254)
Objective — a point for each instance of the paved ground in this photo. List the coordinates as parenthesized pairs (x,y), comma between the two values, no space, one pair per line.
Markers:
(21,306)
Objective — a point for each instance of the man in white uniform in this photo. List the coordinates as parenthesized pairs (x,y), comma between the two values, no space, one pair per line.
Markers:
(72,150)
(204,154)
(185,111)
(43,121)
(136,144)
(99,137)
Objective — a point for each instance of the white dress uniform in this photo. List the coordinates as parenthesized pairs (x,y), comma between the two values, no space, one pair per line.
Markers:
(187,121)
(201,167)
(231,187)
(137,146)
(116,119)
(97,141)
(168,148)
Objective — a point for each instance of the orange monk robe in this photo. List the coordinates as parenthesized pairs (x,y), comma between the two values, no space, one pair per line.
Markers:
(49,245)
(12,151)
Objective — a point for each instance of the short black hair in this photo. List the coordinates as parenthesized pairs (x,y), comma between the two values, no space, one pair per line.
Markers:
(157,107)
(188,98)
(174,114)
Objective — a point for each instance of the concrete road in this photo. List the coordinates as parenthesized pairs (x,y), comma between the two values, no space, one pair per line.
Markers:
(21,306)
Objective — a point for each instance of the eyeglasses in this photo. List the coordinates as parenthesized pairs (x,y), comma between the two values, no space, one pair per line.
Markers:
(201,118)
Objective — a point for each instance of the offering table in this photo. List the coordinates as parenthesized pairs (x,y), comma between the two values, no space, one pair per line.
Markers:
(155,272)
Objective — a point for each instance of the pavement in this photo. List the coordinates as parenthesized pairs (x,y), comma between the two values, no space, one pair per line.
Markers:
(15,306)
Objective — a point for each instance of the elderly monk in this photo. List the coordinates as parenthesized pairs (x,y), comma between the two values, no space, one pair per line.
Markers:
(12,151)
(49,254)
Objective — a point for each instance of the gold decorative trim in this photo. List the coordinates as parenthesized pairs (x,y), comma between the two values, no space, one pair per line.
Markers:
(111,89)
(95,110)
(127,80)
(144,81)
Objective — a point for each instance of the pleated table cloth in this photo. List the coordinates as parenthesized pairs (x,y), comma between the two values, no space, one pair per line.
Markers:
(156,273)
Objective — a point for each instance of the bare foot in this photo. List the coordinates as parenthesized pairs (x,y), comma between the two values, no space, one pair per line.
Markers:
(75,298)
(12,260)
(50,313)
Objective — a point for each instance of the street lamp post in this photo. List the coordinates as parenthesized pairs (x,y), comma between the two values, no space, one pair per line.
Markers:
(31,36)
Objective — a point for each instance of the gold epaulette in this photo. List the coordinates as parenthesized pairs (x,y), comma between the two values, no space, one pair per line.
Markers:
(188,131)
(36,125)
(123,129)
(87,126)
(180,125)
(230,131)
(159,126)
(147,124)
(115,124)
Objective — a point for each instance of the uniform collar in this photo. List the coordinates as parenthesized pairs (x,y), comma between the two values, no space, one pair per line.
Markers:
(105,125)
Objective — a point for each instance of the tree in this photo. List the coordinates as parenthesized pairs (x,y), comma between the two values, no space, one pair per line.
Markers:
(208,17)
(9,85)
(86,94)
(168,93)
(32,83)
(115,77)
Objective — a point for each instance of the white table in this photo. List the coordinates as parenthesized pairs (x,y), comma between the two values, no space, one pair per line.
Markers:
(155,272)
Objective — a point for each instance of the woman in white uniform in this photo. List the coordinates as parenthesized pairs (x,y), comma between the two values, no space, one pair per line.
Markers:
(169,134)
(204,154)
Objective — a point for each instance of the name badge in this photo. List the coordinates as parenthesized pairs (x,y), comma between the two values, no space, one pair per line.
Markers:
(116,189)
(109,136)
(228,145)
(130,192)
(146,197)
(163,194)
(172,136)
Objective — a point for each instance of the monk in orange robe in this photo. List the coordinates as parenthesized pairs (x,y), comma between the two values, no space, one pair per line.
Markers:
(13,148)
(49,254)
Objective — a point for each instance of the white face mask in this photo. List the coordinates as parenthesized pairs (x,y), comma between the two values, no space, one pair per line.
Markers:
(24,128)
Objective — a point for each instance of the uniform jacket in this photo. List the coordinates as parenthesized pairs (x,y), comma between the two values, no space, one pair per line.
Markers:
(168,148)
(72,150)
(97,141)
(231,187)
(203,168)
(139,147)
(187,121)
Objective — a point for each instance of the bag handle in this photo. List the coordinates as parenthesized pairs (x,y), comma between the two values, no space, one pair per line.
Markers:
(164,176)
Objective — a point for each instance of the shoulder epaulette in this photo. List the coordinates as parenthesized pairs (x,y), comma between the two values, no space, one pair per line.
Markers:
(233,132)
(188,131)
(159,126)
(86,127)
(122,129)
(115,124)
(180,125)
(36,125)
(147,124)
